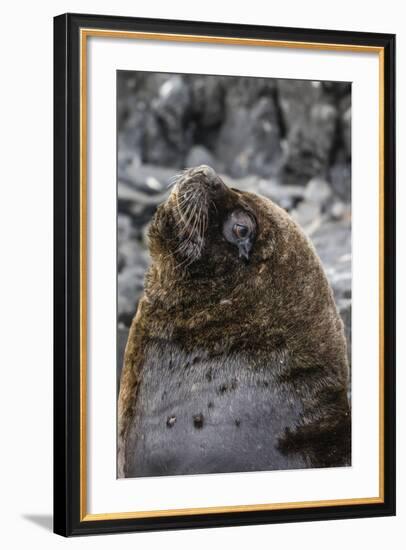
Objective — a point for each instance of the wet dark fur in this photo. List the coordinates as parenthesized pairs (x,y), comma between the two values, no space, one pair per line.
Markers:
(214,333)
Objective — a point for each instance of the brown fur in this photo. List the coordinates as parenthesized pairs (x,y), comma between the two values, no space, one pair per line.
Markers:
(280,301)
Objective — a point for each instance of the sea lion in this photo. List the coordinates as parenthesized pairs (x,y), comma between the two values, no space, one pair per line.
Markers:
(236,359)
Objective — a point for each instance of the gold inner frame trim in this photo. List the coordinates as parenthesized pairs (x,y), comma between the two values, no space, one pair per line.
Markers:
(173,37)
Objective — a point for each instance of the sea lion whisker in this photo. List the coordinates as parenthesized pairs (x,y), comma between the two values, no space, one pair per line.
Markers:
(204,227)
(183,216)
(185,201)
(188,261)
(173,179)
(184,244)
(201,229)
(184,197)
(195,201)
(193,222)
(195,237)
(189,219)
(186,247)
(192,230)
(201,224)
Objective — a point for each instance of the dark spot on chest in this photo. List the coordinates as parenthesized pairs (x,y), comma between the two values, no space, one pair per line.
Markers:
(228,387)
(198,421)
(170,422)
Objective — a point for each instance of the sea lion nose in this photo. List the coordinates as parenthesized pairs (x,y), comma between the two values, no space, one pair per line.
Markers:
(211,178)
(207,171)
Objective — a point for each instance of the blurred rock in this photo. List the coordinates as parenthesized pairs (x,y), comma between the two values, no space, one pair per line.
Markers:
(340,211)
(346,131)
(333,244)
(158,147)
(249,141)
(307,214)
(246,91)
(344,128)
(124,228)
(207,101)
(309,144)
(133,261)
(296,98)
(141,190)
(249,138)
(148,178)
(132,135)
(198,155)
(125,232)
(247,183)
(130,283)
(129,253)
(286,196)
(318,191)
(168,136)
(340,177)
(336,89)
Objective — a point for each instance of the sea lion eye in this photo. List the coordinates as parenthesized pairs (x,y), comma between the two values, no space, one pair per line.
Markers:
(240,231)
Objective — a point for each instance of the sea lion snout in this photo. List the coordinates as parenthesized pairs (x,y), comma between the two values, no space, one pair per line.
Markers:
(203,180)
(210,178)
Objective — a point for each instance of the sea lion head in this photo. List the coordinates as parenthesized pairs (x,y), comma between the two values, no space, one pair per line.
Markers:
(207,228)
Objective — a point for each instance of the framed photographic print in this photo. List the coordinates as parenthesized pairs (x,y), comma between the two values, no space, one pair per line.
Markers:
(224,274)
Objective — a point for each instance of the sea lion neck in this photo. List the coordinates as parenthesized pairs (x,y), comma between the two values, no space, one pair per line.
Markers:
(168,287)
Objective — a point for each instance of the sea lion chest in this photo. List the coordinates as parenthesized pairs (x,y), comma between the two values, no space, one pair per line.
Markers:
(199,414)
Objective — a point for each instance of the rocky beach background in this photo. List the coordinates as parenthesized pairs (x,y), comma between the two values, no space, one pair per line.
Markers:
(288,140)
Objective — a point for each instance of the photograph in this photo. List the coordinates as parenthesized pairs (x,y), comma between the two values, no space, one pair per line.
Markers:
(201,315)
(234,274)
(224,260)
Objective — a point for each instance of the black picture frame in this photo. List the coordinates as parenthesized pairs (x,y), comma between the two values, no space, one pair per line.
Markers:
(68,520)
